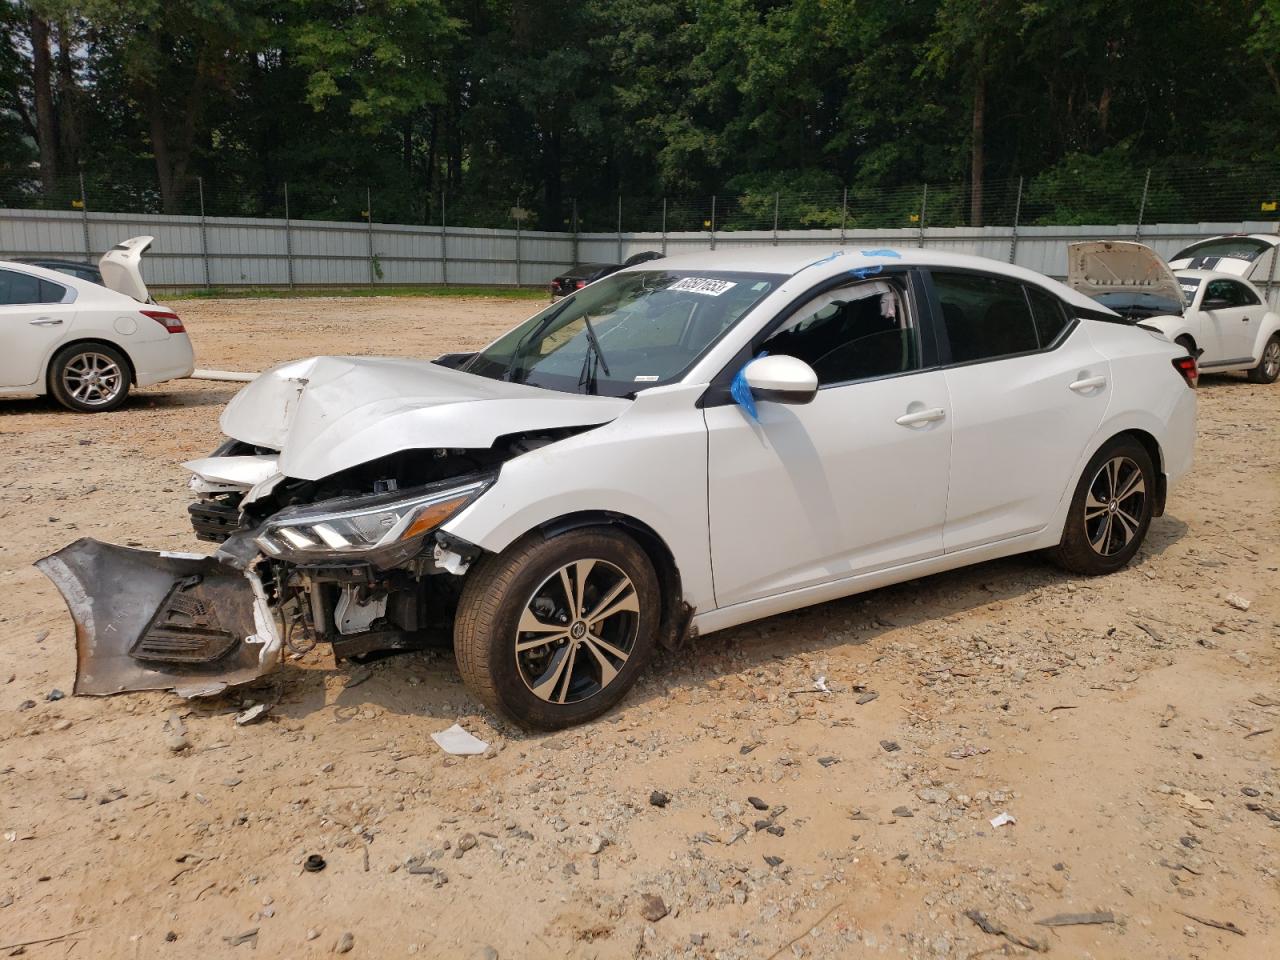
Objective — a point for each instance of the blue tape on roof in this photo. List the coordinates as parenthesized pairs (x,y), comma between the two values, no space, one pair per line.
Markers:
(882,252)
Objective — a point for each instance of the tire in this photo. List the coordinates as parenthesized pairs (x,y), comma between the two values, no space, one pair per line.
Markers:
(533,583)
(1268,367)
(1103,532)
(90,378)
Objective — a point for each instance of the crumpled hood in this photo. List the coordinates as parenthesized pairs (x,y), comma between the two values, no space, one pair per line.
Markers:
(327,414)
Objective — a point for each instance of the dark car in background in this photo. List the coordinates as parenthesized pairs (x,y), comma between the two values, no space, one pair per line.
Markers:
(72,268)
(584,273)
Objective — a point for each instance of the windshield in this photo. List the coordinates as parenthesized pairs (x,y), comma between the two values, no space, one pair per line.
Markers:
(1232,248)
(625,333)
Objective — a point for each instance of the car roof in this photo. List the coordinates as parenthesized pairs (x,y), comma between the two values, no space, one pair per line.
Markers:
(60,261)
(823,261)
(1212,275)
(1271,238)
(83,288)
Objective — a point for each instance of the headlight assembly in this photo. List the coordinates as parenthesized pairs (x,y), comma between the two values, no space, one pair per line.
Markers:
(368,527)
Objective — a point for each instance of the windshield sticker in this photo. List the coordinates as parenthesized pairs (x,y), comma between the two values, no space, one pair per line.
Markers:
(707,286)
(646,378)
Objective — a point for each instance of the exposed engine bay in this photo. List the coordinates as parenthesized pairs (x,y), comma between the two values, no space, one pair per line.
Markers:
(354,557)
(187,623)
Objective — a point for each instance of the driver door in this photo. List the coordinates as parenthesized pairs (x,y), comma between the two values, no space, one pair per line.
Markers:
(853,482)
(1226,321)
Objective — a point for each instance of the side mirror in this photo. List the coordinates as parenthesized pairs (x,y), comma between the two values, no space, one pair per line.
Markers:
(781,379)
(1215,304)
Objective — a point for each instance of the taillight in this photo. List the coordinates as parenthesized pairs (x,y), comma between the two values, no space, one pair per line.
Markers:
(167,319)
(580,284)
(1189,369)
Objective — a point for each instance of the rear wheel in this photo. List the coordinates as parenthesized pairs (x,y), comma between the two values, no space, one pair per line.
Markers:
(1111,510)
(553,632)
(1268,367)
(89,377)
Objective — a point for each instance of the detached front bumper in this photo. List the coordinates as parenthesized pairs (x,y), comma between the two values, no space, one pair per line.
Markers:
(163,621)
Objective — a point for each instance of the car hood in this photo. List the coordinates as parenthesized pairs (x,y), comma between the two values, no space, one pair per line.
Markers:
(1098,267)
(327,414)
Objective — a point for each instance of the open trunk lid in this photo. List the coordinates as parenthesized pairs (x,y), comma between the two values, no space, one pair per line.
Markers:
(121,268)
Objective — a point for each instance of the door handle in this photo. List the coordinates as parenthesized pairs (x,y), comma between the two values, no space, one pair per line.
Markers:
(46,322)
(1244,319)
(921,416)
(1088,383)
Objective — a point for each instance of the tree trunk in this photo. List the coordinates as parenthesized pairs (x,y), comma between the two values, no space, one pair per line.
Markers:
(978,159)
(70,102)
(46,124)
(552,184)
(432,140)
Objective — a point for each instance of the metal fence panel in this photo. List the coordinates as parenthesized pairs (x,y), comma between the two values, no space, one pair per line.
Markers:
(190,251)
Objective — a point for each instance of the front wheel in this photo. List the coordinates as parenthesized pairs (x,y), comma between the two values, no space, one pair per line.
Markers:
(1268,367)
(554,631)
(1111,510)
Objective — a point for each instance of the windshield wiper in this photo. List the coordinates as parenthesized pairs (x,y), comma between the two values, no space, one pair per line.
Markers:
(534,331)
(593,355)
(595,344)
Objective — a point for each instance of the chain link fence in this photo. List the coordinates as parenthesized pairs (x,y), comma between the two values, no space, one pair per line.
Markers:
(314,233)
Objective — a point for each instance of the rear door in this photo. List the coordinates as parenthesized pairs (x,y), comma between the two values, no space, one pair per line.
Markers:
(1028,391)
(33,318)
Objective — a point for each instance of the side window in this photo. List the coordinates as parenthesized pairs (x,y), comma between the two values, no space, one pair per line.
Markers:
(851,333)
(1244,296)
(1234,294)
(51,292)
(1050,318)
(16,288)
(985,318)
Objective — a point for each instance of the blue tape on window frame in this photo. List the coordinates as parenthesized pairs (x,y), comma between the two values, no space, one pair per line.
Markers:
(863,272)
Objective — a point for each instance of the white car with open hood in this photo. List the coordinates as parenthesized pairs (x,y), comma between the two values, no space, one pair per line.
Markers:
(84,343)
(677,448)
(1216,313)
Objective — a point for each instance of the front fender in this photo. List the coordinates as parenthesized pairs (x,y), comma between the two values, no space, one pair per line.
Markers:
(650,464)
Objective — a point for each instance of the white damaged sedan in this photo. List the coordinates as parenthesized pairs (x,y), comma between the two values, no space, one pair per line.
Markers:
(680,447)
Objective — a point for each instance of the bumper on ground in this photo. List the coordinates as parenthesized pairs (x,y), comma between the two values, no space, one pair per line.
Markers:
(162,621)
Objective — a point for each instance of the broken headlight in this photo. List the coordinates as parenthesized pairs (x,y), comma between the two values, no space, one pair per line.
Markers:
(383,528)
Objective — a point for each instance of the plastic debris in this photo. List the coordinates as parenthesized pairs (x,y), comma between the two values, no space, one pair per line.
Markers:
(255,714)
(458,742)
(821,685)
(1000,819)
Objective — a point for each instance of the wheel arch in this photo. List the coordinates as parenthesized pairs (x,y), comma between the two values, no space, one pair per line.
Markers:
(1152,446)
(677,614)
(86,341)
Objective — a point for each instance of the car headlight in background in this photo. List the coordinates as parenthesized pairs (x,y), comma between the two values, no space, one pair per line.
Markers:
(373,525)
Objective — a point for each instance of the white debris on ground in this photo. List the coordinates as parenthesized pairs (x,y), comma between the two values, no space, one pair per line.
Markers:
(822,784)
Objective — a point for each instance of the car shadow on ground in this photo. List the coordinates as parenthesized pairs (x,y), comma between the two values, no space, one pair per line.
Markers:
(426,684)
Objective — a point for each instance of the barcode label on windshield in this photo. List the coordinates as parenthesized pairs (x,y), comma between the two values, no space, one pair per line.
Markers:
(703,285)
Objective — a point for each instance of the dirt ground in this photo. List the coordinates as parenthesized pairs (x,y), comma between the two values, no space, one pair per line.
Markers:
(1130,724)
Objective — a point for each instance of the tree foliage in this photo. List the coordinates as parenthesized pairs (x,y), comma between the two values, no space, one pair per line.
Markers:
(481,106)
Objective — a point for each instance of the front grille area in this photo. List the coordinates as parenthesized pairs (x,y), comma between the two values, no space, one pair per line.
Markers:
(186,628)
(215,520)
